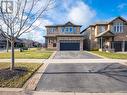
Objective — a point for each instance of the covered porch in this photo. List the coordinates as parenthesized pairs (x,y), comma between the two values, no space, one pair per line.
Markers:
(105,40)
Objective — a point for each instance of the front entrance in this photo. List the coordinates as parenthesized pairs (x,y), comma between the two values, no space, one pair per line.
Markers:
(69,45)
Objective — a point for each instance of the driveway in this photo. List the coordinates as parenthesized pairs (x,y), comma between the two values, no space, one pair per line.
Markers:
(88,77)
(74,55)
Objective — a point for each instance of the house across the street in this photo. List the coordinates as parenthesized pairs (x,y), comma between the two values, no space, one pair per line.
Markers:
(104,36)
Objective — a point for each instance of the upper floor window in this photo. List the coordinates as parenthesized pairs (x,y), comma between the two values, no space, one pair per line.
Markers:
(52,29)
(118,27)
(68,29)
(102,29)
(74,29)
(62,29)
(71,29)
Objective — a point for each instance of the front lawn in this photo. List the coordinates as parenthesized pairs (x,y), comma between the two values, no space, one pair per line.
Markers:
(17,77)
(28,54)
(111,55)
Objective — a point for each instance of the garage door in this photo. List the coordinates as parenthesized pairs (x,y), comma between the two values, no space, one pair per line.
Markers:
(69,45)
(117,45)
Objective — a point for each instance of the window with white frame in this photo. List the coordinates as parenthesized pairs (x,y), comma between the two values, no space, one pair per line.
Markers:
(52,29)
(71,29)
(118,27)
(74,29)
(68,29)
(62,29)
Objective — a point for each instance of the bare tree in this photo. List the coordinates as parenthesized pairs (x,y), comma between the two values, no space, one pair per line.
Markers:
(22,19)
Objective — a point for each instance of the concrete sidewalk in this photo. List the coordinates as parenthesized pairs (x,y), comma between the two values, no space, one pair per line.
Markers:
(85,61)
(24,60)
(18,91)
(73,93)
(66,60)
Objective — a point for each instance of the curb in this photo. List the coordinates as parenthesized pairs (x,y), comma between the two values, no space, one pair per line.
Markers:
(12,91)
(31,84)
(97,55)
(52,56)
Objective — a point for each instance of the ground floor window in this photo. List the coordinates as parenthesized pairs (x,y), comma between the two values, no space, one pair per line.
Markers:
(54,44)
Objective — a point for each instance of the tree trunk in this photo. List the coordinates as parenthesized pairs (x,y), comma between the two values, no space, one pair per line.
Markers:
(7,45)
(12,55)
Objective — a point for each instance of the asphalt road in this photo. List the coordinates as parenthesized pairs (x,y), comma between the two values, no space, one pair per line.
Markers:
(74,55)
(97,78)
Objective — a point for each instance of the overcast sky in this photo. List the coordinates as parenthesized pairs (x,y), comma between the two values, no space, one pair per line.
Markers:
(83,12)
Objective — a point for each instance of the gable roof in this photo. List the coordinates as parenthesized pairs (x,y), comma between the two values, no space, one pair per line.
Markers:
(104,23)
(84,30)
(119,17)
(66,24)
(105,34)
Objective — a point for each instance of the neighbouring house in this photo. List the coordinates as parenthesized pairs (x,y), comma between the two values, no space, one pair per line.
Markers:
(3,42)
(20,42)
(30,43)
(64,37)
(106,36)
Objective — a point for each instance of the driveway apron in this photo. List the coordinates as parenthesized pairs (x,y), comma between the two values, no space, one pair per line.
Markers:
(79,77)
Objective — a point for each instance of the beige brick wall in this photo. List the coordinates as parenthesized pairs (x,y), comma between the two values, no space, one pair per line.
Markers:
(58,39)
(118,36)
(50,42)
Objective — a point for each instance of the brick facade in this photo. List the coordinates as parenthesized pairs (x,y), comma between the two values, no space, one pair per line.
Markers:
(53,38)
(94,30)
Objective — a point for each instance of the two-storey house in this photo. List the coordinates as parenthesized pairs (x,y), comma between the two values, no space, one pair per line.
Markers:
(64,37)
(107,36)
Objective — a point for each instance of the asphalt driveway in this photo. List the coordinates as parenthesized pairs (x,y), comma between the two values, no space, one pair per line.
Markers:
(74,55)
(94,77)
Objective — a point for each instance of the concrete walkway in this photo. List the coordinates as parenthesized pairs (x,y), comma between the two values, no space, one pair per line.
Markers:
(73,93)
(85,61)
(67,60)
(24,60)
(19,91)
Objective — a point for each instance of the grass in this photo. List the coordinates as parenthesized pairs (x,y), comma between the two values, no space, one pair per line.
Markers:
(17,77)
(111,55)
(28,54)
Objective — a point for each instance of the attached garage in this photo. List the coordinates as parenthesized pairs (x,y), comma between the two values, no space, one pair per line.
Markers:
(69,45)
